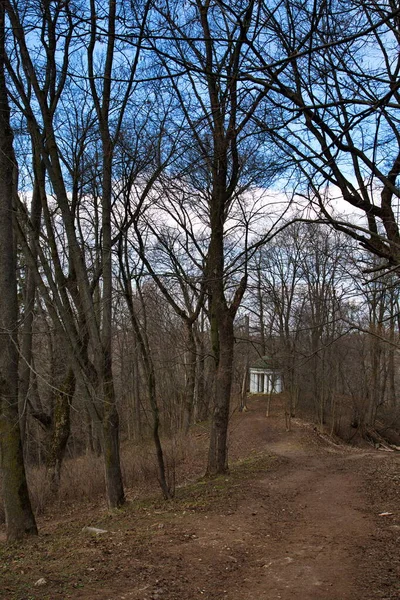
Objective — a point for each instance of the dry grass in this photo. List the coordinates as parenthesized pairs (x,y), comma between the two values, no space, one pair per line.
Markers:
(82,480)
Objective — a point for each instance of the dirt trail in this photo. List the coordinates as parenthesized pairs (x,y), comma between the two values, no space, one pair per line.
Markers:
(313,548)
(307,527)
(303,531)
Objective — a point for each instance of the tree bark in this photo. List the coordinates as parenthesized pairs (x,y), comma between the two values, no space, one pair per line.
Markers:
(114,485)
(60,430)
(218,449)
(202,399)
(222,316)
(147,361)
(29,305)
(18,511)
(190,384)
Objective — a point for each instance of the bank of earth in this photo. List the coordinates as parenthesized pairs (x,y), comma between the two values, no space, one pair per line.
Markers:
(300,517)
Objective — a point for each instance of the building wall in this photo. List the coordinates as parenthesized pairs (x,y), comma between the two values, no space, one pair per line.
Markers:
(265,382)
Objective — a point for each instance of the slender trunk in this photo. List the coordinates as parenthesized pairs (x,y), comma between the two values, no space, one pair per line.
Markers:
(245,379)
(190,368)
(26,353)
(221,330)
(392,377)
(374,398)
(202,399)
(268,403)
(114,485)
(17,506)
(137,409)
(222,336)
(166,489)
(149,372)
(29,305)
(113,474)
(391,357)
(60,430)
(89,431)
(263,348)
(148,366)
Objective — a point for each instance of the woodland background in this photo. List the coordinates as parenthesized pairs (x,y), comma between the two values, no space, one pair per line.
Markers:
(185,188)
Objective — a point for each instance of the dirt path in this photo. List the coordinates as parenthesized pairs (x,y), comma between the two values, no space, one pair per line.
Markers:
(304,527)
(313,547)
(301,533)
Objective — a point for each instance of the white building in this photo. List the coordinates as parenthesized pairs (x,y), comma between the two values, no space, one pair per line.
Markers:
(265,378)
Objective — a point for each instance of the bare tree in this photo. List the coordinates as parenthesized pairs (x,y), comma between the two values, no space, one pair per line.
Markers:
(333,111)
(276,280)
(203,58)
(19,516)
(48,94)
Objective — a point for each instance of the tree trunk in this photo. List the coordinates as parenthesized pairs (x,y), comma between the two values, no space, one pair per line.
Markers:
(17,506)
(60,430)
(202,399)
(113,475)
(137,408)
(29,305)
(114,485)
(221,323)
(148,367)
(245,378)
(190,368)
(263,342)
(166,489)
(218,450)
(19,517)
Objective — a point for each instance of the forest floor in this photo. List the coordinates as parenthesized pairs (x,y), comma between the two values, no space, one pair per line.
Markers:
(299,517)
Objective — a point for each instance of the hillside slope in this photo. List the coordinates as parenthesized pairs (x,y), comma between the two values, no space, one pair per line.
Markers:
(298,518)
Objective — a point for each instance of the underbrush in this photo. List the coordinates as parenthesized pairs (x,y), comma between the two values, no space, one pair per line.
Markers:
(82,478)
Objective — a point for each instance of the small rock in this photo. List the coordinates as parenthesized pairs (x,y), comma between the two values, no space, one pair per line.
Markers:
(95,530)
(40,582)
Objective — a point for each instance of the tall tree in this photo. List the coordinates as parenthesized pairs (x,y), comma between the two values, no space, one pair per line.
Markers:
(18,511)
(68,279)
(203,58)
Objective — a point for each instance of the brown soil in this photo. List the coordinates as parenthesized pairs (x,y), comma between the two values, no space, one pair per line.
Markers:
(298,518)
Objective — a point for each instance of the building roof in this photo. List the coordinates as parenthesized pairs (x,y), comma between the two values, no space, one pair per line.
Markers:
(266,362)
